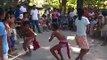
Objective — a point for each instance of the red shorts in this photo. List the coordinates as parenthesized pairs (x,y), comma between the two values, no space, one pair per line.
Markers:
(82,42)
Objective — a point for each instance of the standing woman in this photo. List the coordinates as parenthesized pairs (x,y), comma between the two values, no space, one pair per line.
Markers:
(81,24)
(3,37)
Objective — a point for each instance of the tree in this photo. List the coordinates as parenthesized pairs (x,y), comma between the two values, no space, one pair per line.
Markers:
(80,3)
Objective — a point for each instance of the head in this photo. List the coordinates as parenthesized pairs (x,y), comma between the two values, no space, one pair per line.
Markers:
(7,17)
(25,14)
(2,13)
(12,17)
(54,27)
(44,16)
(34,7)
(80,13)
(54,9)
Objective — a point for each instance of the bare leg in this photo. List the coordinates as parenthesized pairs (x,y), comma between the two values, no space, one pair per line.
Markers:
(28,45)
(62,58)
(24,46)
(82,53)
(53,49)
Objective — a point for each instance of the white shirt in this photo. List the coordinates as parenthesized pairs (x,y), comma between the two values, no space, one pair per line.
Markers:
(21,16)
(72,14)
(23,9)
(34,14)
(81,26)
(91,13)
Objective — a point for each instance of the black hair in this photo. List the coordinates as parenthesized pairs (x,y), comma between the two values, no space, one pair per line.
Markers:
(2,11)
(55,26)
(7,16)
(80,13)
(43,15)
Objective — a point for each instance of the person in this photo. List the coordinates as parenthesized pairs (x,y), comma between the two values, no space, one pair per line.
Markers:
(28,36)
(3,37)
(44,23)
(55,16)
(71,19)
(81,37)
(92,25)
(35,18)
(63,42)
(25,16)
(13,36)
(23,8)
(9,31)
(17,13)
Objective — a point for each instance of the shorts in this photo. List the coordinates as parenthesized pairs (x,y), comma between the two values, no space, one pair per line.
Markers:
(12,41)
(82,42)
(63,43)
(5,56)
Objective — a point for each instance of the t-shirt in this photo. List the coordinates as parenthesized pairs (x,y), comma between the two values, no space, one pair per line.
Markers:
(34,14)
(4,34)
(17,13)
(23,9)
(72,14)
(92,23)
(81,26)
(55,15)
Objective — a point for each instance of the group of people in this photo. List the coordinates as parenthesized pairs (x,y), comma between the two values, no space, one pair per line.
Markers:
(27,32)
(24,23)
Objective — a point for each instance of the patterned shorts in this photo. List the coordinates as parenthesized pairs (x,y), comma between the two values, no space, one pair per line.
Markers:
(82,42)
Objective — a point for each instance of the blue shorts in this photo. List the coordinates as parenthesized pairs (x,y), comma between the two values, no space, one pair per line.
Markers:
(12,41)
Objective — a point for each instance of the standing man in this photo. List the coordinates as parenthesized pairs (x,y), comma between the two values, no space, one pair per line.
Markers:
(3,38)
(35,18)
(81,36)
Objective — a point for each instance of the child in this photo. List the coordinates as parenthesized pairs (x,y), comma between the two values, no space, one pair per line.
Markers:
(13,36)
(63,42)
(92,25)
(81,24)
(25,16)
(9,31)
(29,37)
(44,23)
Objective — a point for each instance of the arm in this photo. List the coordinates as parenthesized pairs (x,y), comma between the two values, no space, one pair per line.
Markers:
(87,24)
(88,28)
(52,36)
(31,33)
(1,48)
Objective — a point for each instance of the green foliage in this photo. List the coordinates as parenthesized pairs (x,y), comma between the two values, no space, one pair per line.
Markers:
(54,3)
(70,3)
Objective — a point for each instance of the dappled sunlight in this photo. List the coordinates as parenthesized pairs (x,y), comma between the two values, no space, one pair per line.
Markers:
(98,59)
(75,49)
(46,48)
(70,37)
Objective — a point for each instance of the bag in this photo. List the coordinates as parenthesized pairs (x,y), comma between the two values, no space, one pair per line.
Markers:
(35,44)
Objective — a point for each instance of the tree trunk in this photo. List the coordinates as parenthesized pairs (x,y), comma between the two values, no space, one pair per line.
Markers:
(64,5)
(80,3)
(60,5)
